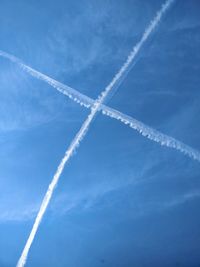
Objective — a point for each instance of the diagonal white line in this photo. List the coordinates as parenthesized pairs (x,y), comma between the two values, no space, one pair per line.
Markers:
(88,102)
(64,89)
(83,130)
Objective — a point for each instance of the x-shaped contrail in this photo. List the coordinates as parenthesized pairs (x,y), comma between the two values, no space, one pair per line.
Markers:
(96,106)
(83,100)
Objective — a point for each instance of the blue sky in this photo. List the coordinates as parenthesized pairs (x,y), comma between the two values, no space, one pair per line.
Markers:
(122,200)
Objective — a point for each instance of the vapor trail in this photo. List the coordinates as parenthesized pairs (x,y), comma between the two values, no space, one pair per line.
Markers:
(83,130)
(151,133)
(64,89)
(86,101)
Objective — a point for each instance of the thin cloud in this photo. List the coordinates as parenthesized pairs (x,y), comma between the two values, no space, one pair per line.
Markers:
(27,214)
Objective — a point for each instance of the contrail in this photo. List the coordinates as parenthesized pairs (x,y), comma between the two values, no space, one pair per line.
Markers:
(82,99)
(64,89)
(152,134)
(87,102)
(84,128)
(145,130)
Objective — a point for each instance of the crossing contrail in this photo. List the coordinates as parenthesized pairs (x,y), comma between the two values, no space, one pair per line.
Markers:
(87,102)
(84,128)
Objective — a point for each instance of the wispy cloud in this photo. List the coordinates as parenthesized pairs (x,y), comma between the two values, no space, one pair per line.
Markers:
(20,109)
(25,214)
(88,198)
(180,200)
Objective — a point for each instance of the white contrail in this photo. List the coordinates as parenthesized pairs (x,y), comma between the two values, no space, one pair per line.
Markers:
(152,134)
(83,130)
(130,60)
(74,144)
(86,101)
(82,99)
(64,89)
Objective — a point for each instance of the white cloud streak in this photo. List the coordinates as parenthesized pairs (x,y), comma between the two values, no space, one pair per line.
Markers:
(27,214)
(153,134)
(64,89)
(84,128)
(88,102)
(181,199)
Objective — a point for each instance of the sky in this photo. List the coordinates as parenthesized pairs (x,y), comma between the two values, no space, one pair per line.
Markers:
(122,199)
